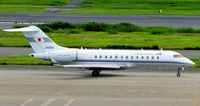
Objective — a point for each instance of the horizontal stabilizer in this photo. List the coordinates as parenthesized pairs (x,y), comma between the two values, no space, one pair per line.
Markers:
(25,29)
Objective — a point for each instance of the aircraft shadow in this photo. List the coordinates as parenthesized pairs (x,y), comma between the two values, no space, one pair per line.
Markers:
(88,75)
(80,76)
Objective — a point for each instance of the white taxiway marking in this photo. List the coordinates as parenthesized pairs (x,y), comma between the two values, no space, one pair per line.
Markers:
(27,101)
(49,101)
(69,102)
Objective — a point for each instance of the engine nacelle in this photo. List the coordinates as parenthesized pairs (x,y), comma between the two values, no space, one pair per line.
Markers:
(58,56)
(43,55)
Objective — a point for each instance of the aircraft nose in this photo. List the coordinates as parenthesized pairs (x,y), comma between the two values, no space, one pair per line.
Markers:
(190,63)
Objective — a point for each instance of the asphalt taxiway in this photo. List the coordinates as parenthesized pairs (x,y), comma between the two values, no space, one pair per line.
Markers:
(34,86)
(145,20)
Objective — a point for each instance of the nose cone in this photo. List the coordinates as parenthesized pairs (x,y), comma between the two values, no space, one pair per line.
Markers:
(192,63)
(189,62)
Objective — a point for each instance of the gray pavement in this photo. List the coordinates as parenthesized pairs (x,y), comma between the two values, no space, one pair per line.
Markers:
(75,2)
(190,53)
(144,20)
(6,51)
(32,86)
(71,6)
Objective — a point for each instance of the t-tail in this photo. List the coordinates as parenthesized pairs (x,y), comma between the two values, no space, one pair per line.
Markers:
(38,40)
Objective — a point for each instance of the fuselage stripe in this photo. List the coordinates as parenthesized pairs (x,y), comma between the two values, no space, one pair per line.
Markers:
(130,61)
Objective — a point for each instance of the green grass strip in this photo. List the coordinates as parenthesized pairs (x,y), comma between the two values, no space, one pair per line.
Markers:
(130,11)
(29,6)
(105,40)
(168,7)
(23,8)
(22,60)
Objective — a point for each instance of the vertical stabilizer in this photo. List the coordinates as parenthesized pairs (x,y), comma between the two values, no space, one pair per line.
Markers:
(38,40)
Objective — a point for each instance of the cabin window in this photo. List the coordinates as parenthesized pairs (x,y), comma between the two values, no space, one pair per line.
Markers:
(131,57)
(106,57)
(137,57)
(116,57)
(152,57)
(95,56)
(111,57)
(100,56)
(157,57)
(142,57)
(121,57)
(147,57)
(126,57)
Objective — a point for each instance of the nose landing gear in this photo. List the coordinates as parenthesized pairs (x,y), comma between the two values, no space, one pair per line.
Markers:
(178,74)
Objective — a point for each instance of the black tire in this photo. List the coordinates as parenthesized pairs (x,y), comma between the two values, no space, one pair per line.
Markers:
(178,74)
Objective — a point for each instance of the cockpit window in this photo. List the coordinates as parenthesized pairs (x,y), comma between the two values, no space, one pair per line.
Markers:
(178,56)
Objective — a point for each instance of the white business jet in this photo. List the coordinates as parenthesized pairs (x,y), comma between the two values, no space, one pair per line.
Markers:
(99,59)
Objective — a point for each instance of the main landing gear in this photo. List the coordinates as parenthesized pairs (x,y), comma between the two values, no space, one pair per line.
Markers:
(178,74)
(96,73)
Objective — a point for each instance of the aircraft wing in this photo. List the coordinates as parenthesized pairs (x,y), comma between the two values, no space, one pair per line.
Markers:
(91,66)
